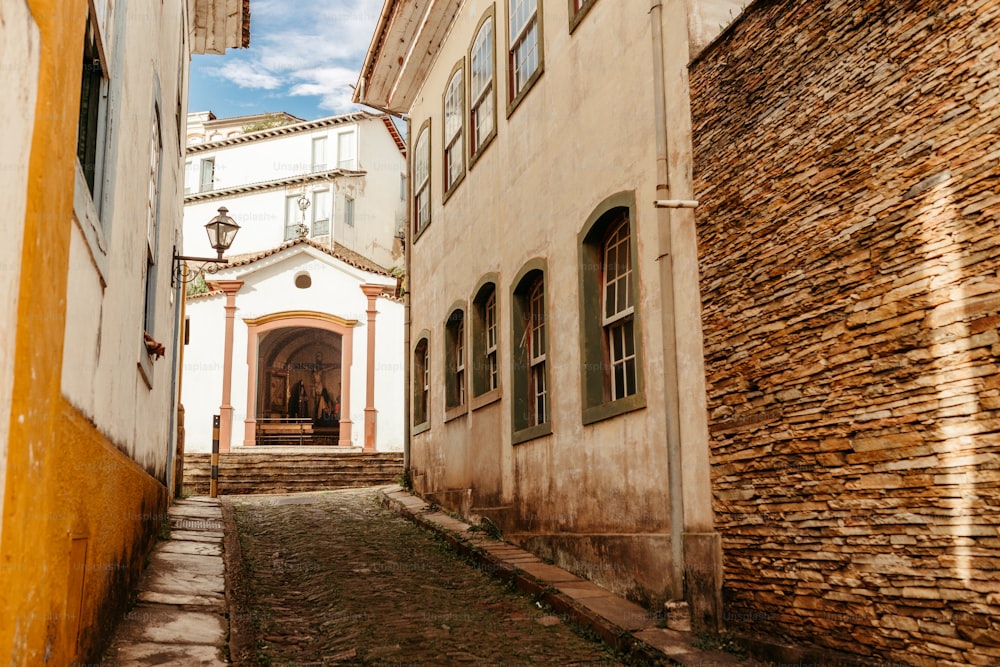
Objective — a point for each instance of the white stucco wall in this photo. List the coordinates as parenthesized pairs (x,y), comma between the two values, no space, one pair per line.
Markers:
(105,294)
(269,159)
(378,208)
(19,50)
(269,288)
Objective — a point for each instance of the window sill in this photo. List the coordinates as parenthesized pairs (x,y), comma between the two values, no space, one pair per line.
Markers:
(485,399)
(487,142)
(145,366)
(597,413)
(454,186)
(575,19)
(87,219)
(530,433)
(451,414)
(421,427)
(529,84)
(420,232)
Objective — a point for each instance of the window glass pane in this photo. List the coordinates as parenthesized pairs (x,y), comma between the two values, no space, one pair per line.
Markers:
(421,160)
(319,153)
(207,174)
(525,57)
(320,205)
(291,216)
(190,176)
(453,107)
(349,211)
(320,212)
(482,59)
(520,12)
(346,150)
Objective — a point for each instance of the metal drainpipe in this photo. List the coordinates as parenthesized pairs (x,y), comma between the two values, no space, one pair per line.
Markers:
(407,321)
(665,258)
(175,467)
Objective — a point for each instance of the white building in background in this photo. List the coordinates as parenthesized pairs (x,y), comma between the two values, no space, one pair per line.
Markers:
(351,168)
(301,334)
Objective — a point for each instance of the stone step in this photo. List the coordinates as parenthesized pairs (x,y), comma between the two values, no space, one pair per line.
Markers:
(287,472)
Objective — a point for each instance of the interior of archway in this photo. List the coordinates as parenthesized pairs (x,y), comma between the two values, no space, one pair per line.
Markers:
(299,376)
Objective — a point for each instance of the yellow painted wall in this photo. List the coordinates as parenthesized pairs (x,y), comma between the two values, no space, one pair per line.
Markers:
(78,515)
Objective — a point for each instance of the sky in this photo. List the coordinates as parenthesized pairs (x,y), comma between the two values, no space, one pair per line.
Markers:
(303,58)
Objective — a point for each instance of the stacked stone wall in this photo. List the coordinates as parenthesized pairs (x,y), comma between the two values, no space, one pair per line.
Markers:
(846,160)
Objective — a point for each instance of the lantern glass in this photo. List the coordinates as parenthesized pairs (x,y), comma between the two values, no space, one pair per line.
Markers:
(221,231)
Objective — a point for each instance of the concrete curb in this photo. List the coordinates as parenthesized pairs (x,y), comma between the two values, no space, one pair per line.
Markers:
(623,625)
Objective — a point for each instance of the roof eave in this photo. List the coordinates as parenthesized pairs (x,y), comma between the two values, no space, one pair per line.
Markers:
(406,43)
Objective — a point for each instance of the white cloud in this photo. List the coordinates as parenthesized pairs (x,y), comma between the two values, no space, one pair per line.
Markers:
(245,75)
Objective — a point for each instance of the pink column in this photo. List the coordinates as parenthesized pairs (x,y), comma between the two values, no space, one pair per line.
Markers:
(230,288)
(372,292)
(346,354)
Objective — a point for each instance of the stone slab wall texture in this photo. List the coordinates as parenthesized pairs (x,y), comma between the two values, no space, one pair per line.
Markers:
(846,160)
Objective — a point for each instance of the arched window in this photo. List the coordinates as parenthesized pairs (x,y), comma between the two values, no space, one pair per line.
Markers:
(422,179)
(485,341)
(454,342)
(482,95)
(524,47)
(421,385)
(531,405)
(612,352)
(454,122)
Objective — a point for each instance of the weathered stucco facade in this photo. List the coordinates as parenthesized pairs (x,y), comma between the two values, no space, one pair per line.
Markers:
(846,163)
(90,179)
(514,185)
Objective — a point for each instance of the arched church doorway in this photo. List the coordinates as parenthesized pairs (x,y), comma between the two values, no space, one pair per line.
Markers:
(299,381)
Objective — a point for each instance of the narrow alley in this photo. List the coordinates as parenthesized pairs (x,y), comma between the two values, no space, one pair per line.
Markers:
(333,577)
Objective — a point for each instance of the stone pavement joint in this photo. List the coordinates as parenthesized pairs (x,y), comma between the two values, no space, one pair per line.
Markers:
(623,625)
(180,616)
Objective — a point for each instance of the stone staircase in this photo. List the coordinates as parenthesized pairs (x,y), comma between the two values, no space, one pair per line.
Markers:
(290,471)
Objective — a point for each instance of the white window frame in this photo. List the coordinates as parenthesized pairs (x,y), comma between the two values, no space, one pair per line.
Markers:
(320,206)
(190,174)
(351,161)
(206,185)
(319,153)
(292,217)
(538,412)
(490,318)
(618,309)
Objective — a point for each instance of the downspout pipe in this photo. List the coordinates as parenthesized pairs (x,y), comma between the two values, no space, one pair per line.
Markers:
(175,451)
(689,475)
(664,257)
(407,319)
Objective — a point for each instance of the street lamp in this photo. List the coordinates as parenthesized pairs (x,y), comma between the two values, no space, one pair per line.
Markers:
(301,228)
(221,232)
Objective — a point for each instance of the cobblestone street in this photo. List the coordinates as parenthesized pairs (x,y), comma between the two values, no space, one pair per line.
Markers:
(334,578)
